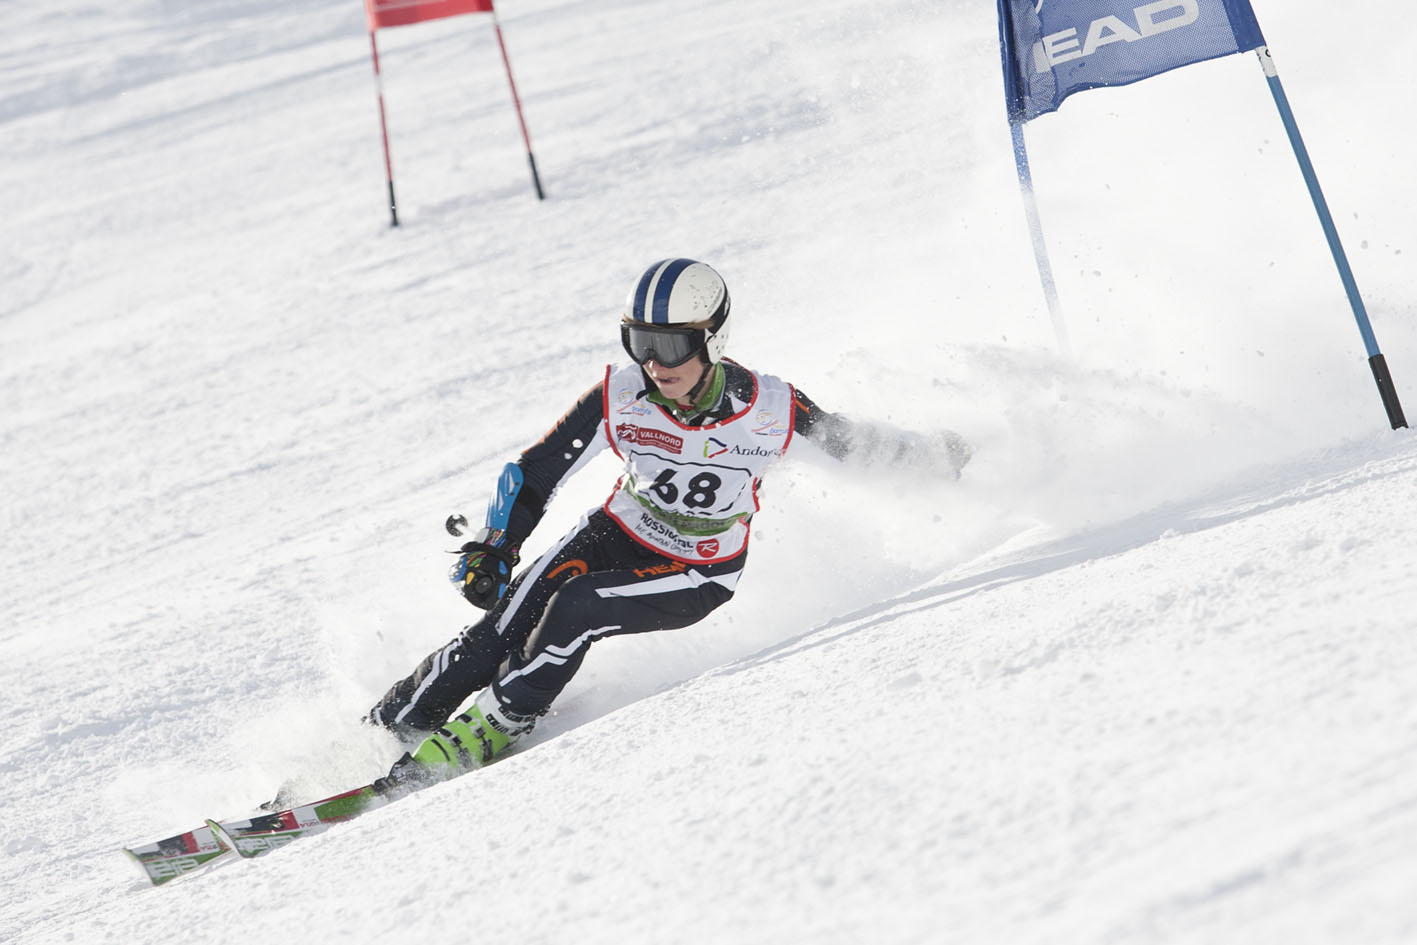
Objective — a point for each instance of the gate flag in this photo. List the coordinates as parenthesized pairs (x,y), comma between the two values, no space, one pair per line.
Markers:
(383,13)
(1053,48)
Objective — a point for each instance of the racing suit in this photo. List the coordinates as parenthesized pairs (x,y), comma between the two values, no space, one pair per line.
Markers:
(665,550)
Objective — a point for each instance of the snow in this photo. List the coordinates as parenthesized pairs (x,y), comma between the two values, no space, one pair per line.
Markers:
(1143,675)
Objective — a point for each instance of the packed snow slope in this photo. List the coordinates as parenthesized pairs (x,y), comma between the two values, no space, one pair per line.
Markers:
(1144,675)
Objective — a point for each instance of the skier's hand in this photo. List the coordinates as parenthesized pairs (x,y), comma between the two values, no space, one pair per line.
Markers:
(482,572)
(952,449)
(943,452)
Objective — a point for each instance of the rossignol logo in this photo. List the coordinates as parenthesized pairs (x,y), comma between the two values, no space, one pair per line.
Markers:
(652,527)
(649,436)
(1152,19)
(707,548)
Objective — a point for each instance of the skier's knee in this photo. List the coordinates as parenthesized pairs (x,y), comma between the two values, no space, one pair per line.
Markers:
(567,615)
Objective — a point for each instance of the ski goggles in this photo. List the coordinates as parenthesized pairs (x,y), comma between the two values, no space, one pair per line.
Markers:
(668,347)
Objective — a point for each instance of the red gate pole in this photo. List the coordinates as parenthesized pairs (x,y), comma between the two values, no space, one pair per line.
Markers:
(517,104)
(384,131)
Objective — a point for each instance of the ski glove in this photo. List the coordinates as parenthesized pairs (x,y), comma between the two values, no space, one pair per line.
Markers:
(942,453)
(482,572)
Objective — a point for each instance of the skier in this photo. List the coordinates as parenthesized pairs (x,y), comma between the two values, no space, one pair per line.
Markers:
(696,432)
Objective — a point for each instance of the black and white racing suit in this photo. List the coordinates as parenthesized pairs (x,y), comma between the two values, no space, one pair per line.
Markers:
(662,553)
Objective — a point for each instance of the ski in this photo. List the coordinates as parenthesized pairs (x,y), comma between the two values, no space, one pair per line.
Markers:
(183,853)
(263,833)
(178,855)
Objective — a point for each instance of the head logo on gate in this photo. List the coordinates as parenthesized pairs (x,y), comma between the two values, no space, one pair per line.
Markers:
(1151,19)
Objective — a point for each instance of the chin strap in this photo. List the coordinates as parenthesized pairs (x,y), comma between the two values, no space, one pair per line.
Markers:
(710,377)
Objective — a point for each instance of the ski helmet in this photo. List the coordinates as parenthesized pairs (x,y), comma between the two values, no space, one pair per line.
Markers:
(678,308)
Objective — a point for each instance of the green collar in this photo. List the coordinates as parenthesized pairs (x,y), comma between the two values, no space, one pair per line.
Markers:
(712,392)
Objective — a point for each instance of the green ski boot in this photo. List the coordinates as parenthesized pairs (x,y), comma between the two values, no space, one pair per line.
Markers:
(465,743)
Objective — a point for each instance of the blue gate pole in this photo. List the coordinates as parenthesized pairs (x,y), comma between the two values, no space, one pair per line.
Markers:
(1376,361)
(1035,230)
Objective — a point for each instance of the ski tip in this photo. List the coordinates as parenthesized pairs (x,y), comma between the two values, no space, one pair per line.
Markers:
(138,862)
(223,839)
(219,834)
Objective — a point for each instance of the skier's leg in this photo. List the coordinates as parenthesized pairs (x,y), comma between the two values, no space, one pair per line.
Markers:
(448,676)
(665,595)
(599,582)
(424,699)
(644,591)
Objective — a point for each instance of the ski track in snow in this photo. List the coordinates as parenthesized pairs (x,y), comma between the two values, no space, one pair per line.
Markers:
(1143,675)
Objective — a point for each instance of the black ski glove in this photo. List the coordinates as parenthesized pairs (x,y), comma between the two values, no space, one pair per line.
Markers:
(482,572)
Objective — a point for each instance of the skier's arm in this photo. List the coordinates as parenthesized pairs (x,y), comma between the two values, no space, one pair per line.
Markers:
(526,486)
(558,455)
(524,490)
(871,443)
(830,431)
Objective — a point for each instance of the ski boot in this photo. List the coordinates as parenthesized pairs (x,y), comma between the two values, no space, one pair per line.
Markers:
(465,743)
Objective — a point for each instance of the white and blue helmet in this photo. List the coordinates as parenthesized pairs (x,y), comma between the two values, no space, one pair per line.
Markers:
(678,308)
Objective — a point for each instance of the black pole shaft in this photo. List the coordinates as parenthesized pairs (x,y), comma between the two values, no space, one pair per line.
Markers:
(535,177)
(1386,391)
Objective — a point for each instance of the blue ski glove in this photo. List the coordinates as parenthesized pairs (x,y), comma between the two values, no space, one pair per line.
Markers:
(482,572)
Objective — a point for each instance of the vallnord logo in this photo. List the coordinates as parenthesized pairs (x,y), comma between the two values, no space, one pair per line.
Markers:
(649,436)
(1152,19)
